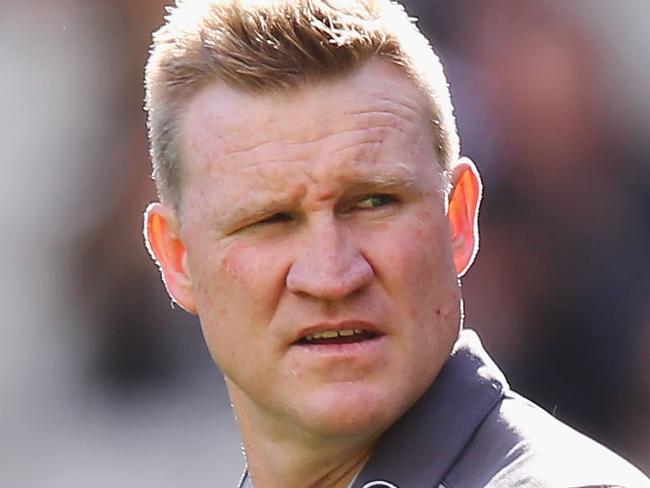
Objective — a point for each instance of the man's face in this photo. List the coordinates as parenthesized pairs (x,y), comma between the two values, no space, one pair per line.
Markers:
(318,249)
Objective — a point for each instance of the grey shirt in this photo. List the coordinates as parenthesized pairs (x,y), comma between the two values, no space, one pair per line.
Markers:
(469,430)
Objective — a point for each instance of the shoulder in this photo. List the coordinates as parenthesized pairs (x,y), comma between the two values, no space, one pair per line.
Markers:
(520,444)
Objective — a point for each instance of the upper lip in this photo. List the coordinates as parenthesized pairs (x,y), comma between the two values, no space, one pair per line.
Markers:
(336,326)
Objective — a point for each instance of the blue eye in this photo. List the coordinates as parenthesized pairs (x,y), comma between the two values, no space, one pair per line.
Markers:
(375,201)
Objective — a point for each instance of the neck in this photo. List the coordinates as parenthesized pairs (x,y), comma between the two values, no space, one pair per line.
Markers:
(278,456)
(279,466)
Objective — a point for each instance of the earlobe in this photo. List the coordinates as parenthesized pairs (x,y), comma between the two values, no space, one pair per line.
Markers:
(464,202)
(164,243)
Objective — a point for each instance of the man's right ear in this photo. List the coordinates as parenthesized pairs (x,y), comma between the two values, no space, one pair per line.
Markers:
(163,240)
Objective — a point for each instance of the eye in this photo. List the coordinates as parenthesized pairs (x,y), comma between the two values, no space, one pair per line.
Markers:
(375,201)
(276,218)
(271,220)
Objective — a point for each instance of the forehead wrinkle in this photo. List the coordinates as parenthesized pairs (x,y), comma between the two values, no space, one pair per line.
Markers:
(391,128)
(321,139)
(364,151)
(396,105)
(384,113)
(390,110)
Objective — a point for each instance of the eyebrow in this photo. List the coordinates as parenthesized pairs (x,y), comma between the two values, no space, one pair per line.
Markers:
(399,175)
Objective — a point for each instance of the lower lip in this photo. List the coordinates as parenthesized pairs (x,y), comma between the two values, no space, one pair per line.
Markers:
(360,348)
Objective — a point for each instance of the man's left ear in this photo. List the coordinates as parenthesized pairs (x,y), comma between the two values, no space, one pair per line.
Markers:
(464,202)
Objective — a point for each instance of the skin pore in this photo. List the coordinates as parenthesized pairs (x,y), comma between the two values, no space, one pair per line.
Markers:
(309,212)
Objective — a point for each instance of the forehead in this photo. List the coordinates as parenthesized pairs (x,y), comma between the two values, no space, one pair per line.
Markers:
(376,119)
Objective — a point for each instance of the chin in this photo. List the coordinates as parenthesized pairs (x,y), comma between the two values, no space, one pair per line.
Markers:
(347,411)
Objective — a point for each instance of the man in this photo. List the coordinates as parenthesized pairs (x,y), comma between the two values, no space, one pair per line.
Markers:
(316,215)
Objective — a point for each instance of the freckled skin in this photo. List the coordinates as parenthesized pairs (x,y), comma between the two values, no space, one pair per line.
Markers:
(313,158)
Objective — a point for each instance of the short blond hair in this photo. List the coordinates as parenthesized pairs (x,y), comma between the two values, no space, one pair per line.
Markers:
(262,46)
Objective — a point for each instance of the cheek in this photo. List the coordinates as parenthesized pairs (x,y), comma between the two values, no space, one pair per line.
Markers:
(235,296)
(418,267)
(238,281)
(241,266)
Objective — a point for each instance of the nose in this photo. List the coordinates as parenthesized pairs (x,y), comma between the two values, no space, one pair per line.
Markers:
(331,266)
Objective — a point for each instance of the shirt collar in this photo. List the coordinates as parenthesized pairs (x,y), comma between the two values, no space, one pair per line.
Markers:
(423,444)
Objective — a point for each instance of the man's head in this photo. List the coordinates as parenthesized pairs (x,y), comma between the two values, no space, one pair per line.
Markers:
(316,237)
(271,46)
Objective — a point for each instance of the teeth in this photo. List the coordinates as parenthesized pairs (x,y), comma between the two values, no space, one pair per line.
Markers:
(331,334)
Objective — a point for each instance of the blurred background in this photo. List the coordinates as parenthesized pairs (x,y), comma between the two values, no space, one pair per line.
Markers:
(104,384)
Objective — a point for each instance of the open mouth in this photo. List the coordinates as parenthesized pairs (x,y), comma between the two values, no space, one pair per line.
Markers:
(344,336)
